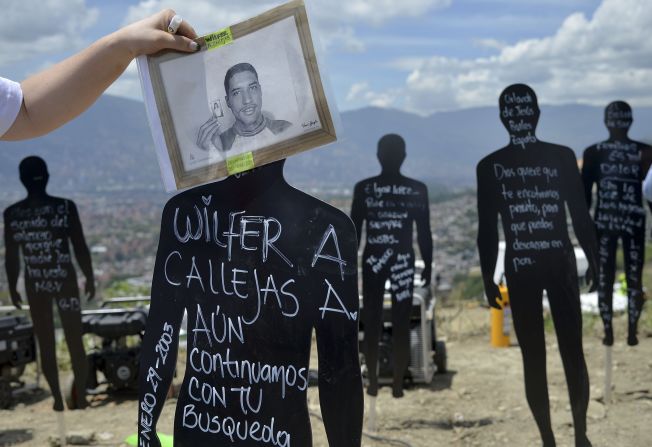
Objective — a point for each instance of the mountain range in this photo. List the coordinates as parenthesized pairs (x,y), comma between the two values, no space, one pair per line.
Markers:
(109,147)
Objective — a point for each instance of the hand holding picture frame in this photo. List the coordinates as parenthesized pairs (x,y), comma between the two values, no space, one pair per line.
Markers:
(252,95)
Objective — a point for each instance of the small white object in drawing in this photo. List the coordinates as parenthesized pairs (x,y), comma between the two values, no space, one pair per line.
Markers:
(218,112)
(175,22)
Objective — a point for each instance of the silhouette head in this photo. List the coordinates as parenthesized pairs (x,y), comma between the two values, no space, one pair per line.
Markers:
(244,96)
(618,117)
(519,111)
(34,174)
(391,152)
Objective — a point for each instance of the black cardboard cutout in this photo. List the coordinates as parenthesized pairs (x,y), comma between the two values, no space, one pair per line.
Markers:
(618,167)
(41,227)
(529,183)
(389,205)
(257,265)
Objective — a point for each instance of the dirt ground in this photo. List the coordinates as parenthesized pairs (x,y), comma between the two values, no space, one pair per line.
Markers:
(480,401)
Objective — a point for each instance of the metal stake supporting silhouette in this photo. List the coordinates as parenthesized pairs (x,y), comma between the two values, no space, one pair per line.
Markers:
(608,368)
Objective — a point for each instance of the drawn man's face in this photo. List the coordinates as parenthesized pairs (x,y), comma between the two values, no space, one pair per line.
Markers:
(245,98)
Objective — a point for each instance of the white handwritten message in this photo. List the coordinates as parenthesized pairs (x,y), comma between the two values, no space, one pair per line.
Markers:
(41,232)
(244,280)
(534,209)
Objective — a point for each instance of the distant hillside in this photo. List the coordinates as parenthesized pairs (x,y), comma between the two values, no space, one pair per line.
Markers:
(110,148)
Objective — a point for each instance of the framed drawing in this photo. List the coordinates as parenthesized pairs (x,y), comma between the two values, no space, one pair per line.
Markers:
(253,94)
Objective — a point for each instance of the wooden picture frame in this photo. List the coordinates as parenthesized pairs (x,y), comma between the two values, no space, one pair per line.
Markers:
(293,70)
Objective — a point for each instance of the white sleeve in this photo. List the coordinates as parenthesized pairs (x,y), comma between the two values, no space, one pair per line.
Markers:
(647,186)
(11,99)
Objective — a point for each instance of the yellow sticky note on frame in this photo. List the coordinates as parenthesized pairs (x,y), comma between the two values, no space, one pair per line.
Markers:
(240,163)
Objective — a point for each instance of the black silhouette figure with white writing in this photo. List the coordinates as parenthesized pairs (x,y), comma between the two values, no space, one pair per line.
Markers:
(618,167)
(42,227)
(257,265)
(389,205)
(529,184)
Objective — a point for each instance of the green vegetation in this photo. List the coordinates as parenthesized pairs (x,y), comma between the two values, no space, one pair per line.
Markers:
(466,287)
(125,288)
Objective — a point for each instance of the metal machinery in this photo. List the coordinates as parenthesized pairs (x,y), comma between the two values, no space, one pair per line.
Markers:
(427,355)
(17,349)
(117,355)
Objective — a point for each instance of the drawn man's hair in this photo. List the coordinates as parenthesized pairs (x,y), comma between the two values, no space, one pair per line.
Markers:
(237,68)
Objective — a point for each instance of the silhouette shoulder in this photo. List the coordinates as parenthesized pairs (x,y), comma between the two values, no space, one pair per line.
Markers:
(485,163)
(590,150)
(319,210)
(362,183)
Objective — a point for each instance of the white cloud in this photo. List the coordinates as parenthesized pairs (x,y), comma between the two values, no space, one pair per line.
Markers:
(334,21)
(592,61)
(32,27)
(490,43)
(333,17)
(360,92)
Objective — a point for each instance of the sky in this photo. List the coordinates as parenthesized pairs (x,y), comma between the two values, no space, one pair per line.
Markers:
(420,56)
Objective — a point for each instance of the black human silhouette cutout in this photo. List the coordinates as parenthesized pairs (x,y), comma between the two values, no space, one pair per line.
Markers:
(257,264)
(390,204)
(618,167)
(41,226)
(529,183)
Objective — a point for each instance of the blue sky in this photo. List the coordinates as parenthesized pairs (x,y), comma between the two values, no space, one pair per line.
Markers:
(417,55)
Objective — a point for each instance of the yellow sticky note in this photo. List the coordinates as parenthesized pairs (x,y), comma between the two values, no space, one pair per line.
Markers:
(218,38)
(240,163)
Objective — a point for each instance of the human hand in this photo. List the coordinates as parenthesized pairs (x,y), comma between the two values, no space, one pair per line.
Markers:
(591,278)
(426,275)
(150,35)
(492,291)
(16,299)
(90,289)
(209,135)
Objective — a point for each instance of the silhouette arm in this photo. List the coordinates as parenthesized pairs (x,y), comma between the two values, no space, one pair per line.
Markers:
(358,211)
(487,233)
(82,254)
(160,342)
(579,213)
(589,167)
(340,379)
(424,236)
(12,262)
(646,177)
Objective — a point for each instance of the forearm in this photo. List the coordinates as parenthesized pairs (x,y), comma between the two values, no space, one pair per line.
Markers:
(63,91)
(343,424)
(85,262)
(158,361)
(586,236)
(12,258)
(12,266)
(425,246)
(488,251)
(59,93)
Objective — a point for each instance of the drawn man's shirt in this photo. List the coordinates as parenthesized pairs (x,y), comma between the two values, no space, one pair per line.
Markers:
(235,143)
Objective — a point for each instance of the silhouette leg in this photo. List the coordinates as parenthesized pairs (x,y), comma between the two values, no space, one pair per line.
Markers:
(401,333)
(634,254)
(70,314)
(564,298)
(607,255)
(373,287)
(527,314)
(40,309)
